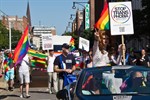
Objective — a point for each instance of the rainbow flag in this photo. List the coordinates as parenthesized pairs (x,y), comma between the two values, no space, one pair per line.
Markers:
(22,47)
(72,46)
(103,22)
(38,59)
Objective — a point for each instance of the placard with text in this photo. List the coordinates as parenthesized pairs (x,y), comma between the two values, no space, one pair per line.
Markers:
(121,21)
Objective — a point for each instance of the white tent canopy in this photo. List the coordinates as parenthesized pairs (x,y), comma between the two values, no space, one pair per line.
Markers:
(59,40)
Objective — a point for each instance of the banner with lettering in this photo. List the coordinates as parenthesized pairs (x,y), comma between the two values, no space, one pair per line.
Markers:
(121,21)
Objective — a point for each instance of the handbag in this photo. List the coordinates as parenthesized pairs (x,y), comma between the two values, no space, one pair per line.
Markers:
(68,78)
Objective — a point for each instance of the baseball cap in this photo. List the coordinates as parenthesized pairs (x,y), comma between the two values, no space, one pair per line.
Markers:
(65,45)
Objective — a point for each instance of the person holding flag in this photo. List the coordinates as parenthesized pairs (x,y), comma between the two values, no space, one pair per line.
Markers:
(103,41)
(24,75)
(21,60)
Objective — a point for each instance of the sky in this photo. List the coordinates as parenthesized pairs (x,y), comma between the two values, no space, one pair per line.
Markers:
(49,13)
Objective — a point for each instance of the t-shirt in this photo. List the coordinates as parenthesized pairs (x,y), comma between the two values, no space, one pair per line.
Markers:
(24,67)
(50,67)
(68,62)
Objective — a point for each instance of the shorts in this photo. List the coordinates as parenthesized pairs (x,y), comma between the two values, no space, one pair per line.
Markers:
(24,76)
(9,75)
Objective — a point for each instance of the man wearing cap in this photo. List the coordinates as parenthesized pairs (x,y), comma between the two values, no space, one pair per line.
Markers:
(64,64)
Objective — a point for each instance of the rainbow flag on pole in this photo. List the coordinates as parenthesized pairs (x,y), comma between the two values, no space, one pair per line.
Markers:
(103,22)
(22,47)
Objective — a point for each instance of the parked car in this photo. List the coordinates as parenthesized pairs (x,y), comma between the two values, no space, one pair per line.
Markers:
(109,83)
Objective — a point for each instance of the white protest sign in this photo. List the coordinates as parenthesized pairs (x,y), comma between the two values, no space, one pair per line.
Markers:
(47,42)
(121,21)
(83,44)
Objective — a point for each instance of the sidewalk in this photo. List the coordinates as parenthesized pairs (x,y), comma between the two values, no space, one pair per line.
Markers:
(3,85)
(38,93)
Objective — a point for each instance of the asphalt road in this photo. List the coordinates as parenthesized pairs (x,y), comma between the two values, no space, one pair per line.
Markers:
(38,89)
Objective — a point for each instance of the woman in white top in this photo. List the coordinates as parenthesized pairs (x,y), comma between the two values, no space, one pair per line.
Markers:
(100,48)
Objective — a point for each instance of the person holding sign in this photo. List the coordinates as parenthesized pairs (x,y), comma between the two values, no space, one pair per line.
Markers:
(102,50)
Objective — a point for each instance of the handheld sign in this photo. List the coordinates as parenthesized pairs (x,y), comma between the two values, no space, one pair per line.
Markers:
(47,42)
(83,44)
(121,21)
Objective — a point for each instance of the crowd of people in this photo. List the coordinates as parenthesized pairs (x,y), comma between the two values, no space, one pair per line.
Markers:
(60,69)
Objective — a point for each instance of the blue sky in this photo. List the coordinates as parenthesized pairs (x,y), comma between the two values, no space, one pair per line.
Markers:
(47,12)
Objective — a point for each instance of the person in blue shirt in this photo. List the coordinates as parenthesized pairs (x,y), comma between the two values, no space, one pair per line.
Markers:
(64,64)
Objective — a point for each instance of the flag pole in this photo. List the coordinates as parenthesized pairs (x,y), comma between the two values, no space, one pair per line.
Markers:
(123,49)
(48,57)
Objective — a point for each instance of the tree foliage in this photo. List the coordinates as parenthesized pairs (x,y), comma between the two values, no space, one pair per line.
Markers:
(4,40)
(75,36)
(4,37)
(146,15)
(87,34)
(141,21)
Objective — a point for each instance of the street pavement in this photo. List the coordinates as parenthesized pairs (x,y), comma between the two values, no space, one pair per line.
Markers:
(38,89)
(36,94)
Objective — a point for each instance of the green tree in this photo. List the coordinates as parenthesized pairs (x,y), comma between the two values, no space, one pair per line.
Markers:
(75,36)
(146,15)
(89,35)
(16,34)
(4,37)
(141,21)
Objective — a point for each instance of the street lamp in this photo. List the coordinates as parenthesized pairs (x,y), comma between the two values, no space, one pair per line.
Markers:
(79,13)
(79,3)
(71,16)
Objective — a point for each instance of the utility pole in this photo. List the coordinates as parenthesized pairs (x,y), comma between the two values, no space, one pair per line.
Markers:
(9,35)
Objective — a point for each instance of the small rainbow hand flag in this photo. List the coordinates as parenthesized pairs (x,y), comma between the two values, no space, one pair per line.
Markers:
(72,47)
(103,22)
